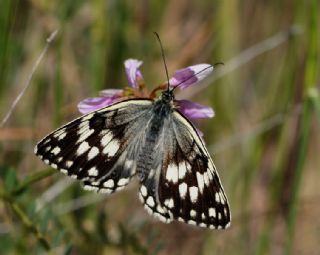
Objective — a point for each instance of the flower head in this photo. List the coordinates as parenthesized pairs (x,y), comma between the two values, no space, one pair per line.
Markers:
(133,73)
(182,78)
(190,75)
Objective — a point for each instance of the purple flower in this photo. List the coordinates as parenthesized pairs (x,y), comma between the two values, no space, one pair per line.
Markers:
(108,97)
(190,75)
(133,73)
(194,110)
(183,78)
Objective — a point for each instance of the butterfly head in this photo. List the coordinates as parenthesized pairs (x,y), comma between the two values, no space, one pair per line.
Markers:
(167,96)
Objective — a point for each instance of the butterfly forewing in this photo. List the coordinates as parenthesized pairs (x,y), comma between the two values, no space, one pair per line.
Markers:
(98,148)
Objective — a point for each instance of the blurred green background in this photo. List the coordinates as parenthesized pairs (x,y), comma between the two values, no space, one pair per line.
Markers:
(264,139)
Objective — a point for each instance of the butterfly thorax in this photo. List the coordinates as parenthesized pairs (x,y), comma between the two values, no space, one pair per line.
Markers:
(161,109)
(163,106)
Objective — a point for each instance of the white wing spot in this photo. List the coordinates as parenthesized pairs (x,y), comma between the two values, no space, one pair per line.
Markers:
(200,182)
(46,161)
(181,219)
(169,202)
(83,147)
(193,213)
(109,184)
(217,197)
(54,166)
(93,152)
(83,136)
(150,201)
(46,141)
(63,135)
(172,173)
(149,209)
(106,139)
(210,175)
(106,191)
(91,188)
(160,209)
(212,212)
(219,216)
(203,216)
(222,200)
(143,191)
(161,218)
(119,188)
(182,170)
(64,171)
(192,222)
(193,194)
(122,182)
(88,117)
(206,178)
(203,225)
(56,150)
(69,163)
(47,148)
(93,171)
(183,190)
(112,148)
(60,134)
(83,126)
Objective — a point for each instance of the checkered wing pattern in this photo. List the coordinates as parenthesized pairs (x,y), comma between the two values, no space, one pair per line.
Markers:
(99,148)
(183,183)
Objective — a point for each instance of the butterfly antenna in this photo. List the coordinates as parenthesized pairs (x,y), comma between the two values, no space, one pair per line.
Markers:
(211,66)
(163,57)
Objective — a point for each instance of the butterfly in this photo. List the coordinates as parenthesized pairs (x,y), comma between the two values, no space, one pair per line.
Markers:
(147,138)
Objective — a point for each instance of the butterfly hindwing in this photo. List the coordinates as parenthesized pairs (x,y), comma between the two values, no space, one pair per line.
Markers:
(186,185)
(98,148)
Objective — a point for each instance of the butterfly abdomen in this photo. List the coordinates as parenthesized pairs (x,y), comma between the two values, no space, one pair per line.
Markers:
(147,152)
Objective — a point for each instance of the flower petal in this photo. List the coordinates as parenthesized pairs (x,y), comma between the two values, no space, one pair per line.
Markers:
(190,75)
(95,103)
(133,72)
(111,92)
(193,110)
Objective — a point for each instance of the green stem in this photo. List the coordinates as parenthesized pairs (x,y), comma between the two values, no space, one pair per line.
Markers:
(30,225)
(303,144)
(26,221)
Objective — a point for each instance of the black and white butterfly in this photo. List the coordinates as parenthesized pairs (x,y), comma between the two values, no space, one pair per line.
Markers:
(149,139)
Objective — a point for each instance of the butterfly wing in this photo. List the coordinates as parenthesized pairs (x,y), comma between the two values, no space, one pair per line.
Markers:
(99,148)
(186,186)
